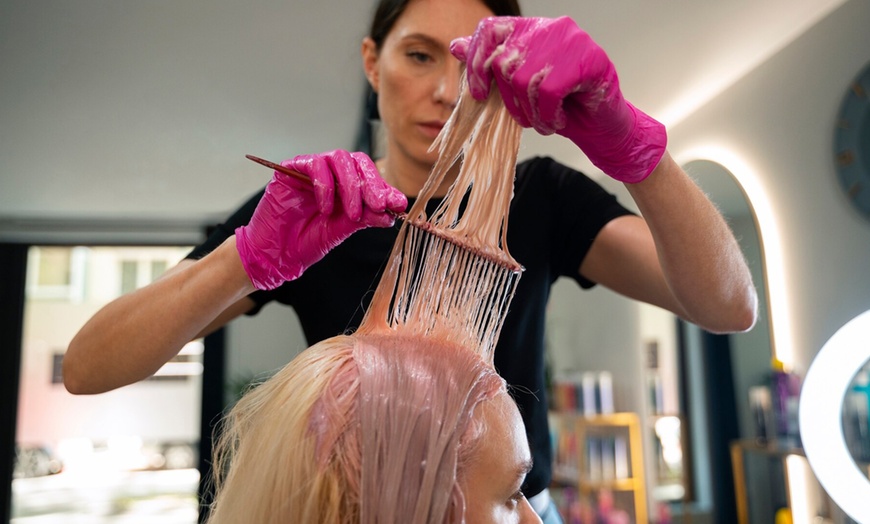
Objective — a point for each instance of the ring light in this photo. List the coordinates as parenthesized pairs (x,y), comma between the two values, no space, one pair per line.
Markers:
(821,403)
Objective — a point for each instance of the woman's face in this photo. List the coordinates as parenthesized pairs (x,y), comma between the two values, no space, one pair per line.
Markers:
(491,482)
(416,77)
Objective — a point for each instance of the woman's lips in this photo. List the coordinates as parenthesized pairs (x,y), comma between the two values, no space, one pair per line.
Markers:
(431,129)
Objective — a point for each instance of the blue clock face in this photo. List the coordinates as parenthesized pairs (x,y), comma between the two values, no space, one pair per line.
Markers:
(852,142)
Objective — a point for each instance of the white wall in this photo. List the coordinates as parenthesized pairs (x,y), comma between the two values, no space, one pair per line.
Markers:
(779,121)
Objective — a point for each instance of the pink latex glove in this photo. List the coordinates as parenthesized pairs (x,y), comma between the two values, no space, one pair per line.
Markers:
(553,77)
(296,223)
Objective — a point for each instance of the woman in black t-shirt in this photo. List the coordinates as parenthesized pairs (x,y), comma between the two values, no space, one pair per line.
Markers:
(680,255)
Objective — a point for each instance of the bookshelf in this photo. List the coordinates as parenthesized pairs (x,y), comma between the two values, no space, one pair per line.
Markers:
(598,456)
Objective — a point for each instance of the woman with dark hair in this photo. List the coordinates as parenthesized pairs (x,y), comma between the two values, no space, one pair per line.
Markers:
(680,255)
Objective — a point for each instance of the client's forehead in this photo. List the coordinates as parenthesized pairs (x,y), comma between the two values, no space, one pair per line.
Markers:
(503,452)
(501,461)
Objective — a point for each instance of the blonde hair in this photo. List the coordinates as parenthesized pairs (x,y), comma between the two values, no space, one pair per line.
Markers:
(356,429)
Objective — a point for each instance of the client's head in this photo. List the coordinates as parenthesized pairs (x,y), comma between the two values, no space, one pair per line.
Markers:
(366,429)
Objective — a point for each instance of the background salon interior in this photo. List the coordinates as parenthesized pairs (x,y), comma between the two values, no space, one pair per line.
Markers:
(123,133)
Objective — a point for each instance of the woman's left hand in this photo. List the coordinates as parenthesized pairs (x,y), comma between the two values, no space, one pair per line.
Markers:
(553,77)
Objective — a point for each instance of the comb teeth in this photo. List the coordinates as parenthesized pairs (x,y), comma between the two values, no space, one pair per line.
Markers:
(450,276)
(449,290)
(498,258)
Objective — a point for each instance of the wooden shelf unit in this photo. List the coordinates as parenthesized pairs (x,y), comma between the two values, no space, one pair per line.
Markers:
(571,467)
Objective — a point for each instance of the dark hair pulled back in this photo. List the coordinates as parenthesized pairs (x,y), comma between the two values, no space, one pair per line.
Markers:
(388,11)
(386,14)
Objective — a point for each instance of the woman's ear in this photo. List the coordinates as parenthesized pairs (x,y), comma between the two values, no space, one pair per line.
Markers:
(370,62)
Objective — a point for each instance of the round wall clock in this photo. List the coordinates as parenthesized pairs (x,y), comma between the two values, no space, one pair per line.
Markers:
(852,142)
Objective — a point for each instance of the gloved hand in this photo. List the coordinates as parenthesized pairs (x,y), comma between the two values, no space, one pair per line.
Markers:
(296,223)
(553,77)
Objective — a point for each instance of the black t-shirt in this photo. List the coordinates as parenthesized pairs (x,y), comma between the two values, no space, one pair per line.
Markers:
(555,214)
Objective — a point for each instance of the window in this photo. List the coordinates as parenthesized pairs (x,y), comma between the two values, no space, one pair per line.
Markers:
(56,273)
(130,455)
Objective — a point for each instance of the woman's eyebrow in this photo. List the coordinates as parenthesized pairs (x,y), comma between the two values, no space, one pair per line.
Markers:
(422,37)
(524,468)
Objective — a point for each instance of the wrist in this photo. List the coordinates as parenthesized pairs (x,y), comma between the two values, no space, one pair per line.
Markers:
(629,157)
(232,268)
(650,143)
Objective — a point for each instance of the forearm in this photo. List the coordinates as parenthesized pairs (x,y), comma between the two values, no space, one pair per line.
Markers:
(132,337)
(701,261)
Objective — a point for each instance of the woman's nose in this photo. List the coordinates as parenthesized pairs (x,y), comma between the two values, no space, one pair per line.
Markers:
(447,91)
(528,515)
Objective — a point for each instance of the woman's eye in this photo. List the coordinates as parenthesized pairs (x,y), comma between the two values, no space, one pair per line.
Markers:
(516,498)
(419,57)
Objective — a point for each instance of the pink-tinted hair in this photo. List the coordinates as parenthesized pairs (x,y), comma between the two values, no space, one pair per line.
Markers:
(359,429)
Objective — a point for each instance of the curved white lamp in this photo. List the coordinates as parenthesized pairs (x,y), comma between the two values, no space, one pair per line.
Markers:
(821,403)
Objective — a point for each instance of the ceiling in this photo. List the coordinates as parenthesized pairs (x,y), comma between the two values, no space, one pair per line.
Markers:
(674,55)
(146,109)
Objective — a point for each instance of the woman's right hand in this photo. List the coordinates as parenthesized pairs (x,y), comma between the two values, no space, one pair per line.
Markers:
(296,223)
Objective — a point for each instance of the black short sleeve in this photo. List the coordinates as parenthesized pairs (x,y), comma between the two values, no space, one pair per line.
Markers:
(221,232)
(564,206)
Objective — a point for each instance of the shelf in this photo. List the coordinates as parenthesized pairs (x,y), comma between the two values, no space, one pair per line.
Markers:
(629,484)
(767,448)
(564,475)
(615,442)
(611,420)
(752,453)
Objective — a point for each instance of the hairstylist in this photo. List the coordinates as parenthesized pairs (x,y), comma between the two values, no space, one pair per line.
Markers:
(680,255)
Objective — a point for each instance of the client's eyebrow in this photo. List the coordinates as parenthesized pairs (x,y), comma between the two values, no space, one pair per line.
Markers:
(524,468)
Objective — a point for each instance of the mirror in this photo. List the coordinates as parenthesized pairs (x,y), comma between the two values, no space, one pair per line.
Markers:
(722,377)
(751,351)
(687,471)
(856,418)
